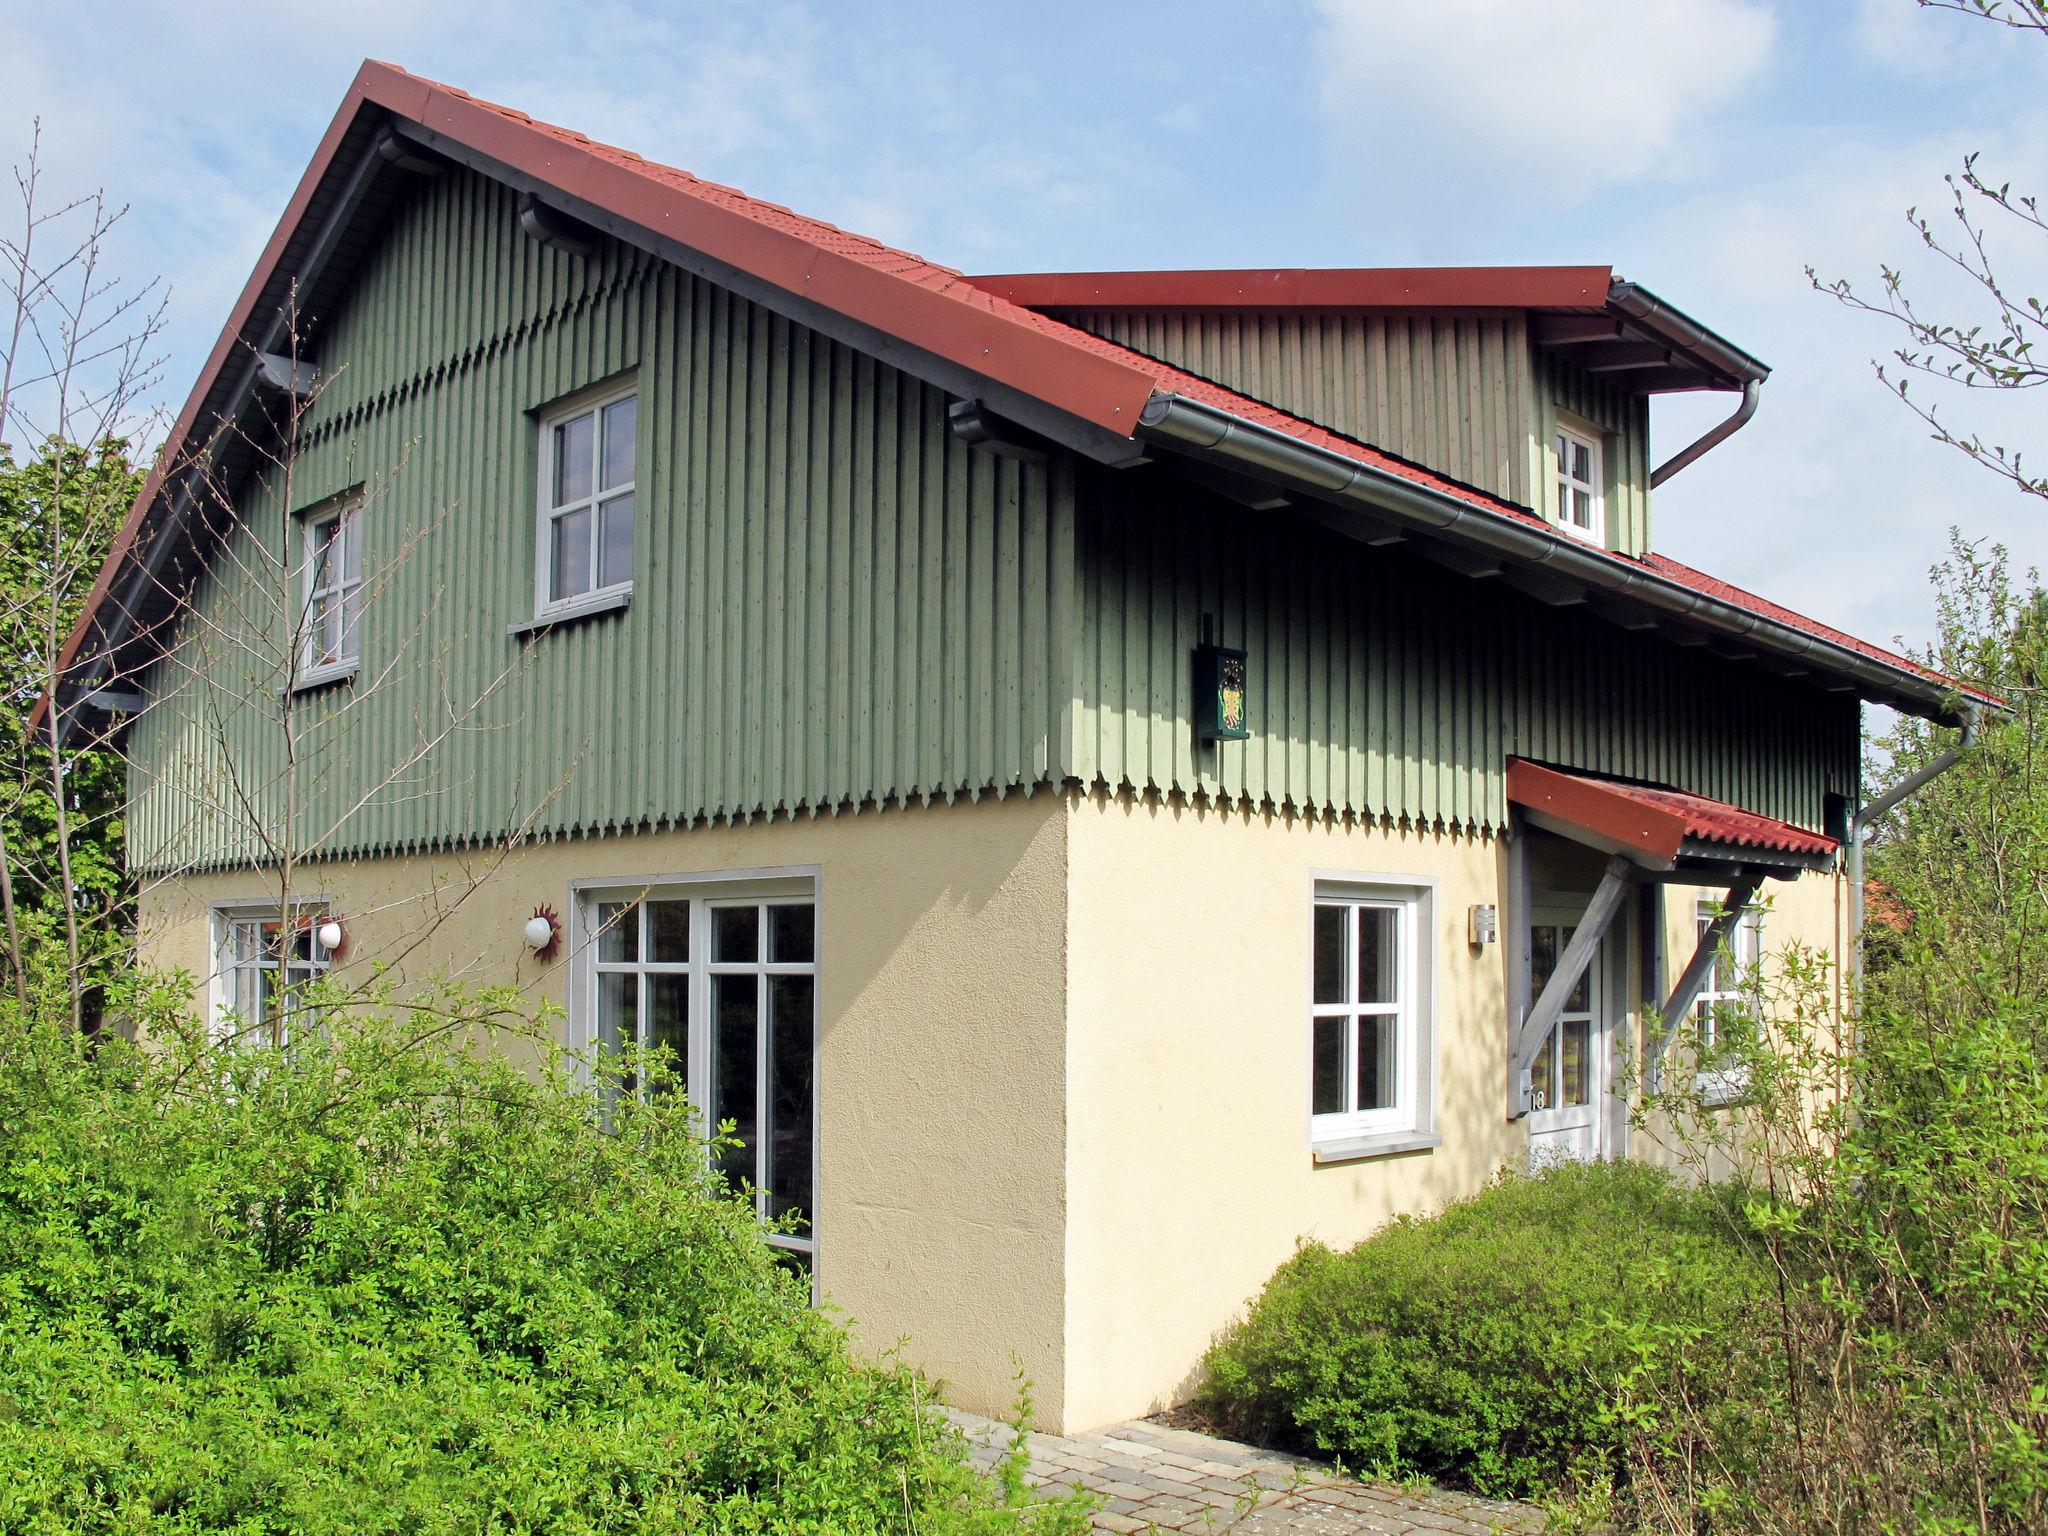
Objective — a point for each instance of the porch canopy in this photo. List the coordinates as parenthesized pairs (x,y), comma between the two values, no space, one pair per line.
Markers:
(1649,834)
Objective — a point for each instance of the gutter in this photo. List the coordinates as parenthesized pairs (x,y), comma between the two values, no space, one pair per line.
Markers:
(1684,332)
(1215,434)
(1869,815)
(1651,313)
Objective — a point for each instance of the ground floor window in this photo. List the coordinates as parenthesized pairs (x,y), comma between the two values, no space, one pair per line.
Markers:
(726,980)
(263,963)
(1732,969)
(1369,1013)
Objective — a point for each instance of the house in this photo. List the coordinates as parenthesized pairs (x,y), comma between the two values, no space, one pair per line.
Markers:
(1100,776)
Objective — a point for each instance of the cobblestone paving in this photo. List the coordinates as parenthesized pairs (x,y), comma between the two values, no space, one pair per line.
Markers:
(1148,1477)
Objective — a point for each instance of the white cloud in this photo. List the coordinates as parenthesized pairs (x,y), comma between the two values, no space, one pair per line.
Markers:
(1497,97)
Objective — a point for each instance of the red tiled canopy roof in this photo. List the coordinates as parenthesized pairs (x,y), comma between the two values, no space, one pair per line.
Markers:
(1656,822)
(931,308)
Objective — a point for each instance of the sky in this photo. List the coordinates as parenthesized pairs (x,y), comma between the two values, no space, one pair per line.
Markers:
(1711,150)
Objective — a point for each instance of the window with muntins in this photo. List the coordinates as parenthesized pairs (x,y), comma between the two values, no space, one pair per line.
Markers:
(334,592)
(1561,1076)
(1368,1016)
(1581,506)
(1732,970)
(588,454)
(264,965)
(728,984)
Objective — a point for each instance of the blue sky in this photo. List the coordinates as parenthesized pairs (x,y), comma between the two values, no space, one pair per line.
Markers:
(1710,149)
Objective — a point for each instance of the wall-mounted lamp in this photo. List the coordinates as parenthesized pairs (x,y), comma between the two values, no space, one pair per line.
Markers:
(330,935)
(1482,924)
(1220,692)
(543,933)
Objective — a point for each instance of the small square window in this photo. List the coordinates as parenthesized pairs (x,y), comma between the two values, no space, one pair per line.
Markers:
(1581,504)
(588,453)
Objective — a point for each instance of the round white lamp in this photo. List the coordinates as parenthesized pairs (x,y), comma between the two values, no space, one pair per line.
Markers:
(539,933)
(330,935)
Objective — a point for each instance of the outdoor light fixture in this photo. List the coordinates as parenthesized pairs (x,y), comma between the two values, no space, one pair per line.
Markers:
(331,934)
(1483,924)
(1219,690)
(543,933)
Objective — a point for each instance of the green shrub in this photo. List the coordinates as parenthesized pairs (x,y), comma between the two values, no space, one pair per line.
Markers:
(1504,1343)
(386,1284)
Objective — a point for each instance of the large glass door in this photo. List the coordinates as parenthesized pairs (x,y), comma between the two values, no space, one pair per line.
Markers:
(729,985)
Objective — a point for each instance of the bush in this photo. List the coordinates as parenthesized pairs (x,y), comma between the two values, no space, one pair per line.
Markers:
(1501,1344)
(385,1284)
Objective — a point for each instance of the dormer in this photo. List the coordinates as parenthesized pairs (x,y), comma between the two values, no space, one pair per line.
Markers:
(1531,383)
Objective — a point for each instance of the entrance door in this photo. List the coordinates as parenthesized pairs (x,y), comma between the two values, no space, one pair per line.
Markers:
(1568,1081)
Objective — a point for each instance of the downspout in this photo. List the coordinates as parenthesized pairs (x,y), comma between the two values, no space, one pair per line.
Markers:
(1714,437)
(1869,815)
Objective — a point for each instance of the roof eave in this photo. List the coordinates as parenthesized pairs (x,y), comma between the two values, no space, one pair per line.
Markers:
(1208,432)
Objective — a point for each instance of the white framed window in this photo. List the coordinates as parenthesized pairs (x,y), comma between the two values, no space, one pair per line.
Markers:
(1733,970)
(1581,501)
(262,966)
(1729,981)
(584,536)
(724,974)
(334,591)
(1369,1018)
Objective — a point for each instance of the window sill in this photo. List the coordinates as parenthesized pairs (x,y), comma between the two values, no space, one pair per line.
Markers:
(571,613)
(317,678)
(1721,1090)
(1356,1149)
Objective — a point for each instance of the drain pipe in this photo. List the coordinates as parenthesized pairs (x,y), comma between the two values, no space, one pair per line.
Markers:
(1869,815)
(1752,391)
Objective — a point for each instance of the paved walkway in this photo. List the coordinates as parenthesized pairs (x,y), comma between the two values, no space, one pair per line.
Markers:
(1149,1477)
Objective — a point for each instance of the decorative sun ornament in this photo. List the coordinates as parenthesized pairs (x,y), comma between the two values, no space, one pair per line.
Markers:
(543,933)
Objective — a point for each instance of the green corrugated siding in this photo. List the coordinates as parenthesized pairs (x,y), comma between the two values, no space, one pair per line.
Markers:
(836,602)
(1455,394)
(1383,686)
(1466,397)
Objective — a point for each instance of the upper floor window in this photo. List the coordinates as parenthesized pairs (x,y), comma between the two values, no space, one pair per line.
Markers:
(334,591)
(264,966)
(1369,1015)
(1581,507)
(588,451)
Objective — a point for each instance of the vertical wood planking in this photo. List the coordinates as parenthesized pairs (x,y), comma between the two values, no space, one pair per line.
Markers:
(836,602)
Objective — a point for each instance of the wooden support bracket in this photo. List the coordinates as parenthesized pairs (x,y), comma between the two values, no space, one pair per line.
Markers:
(1571,965)
(293,376)
(1694,976)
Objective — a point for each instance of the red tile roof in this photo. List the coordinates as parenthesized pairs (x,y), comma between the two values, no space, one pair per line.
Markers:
(929,306)
(1652,820)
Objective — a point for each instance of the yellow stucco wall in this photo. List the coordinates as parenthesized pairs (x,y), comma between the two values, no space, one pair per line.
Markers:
(1190,1174)
(940,1214)
(1064,1064)
(1189,1170)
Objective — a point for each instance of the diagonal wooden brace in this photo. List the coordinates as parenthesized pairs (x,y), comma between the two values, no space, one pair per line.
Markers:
(1694,976)
(1571,965)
